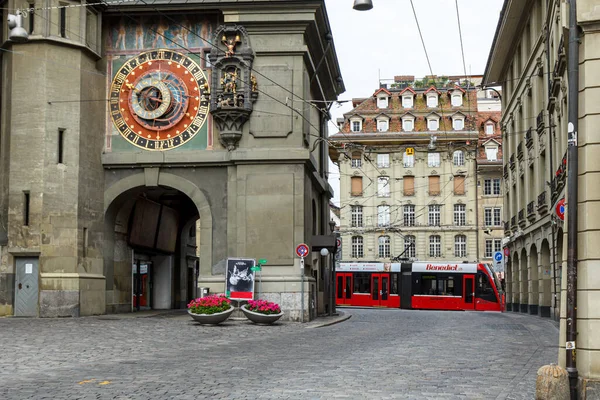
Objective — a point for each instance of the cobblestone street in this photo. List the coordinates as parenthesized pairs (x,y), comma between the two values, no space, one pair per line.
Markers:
(377,353)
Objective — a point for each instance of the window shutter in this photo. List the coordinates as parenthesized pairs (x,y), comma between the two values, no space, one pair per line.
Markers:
(459,184)
(434,185)
(357,186)
(409,185)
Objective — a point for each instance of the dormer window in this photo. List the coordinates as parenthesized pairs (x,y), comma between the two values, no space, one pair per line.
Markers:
(382,102)
(489,128)
(408,124)
(356,125)
(458,123)
(456,99)
(491,151)
(433,123)
(382,125)
(407,101)
(432,100)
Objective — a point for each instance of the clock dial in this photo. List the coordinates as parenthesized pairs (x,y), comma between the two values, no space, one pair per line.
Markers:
(157,100)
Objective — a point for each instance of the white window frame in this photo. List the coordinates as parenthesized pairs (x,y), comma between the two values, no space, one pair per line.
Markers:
(384,246)
(433,124)
(382,102)
(408,101)
(458,123)
(433,160)
(383,186)
(352,122)
(434,216)
(460,246)
(487,187)
(408,160)
(497,187)
(383,160)
(460,215)
(356,216)
(411,121)
(458,158)
(383,215)
(455,96)
(383,125)
(432,100)
(357,247)
(410,248)
(435,246)
(489,128)
(492,246)
(491,149)
(409,215)
(355,162)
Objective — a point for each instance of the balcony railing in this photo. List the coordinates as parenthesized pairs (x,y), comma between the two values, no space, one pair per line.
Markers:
(520,151)
(513,222)
(529,137)
(506,227)
(531,211)
(540,122)
(542,203)
(522,220)
(506,172)
(511,161)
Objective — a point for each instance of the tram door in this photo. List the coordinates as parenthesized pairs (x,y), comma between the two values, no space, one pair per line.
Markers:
(469,292)
(380,290)
(343,287)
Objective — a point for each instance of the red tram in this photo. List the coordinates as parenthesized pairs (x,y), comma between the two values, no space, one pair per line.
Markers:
(419,285)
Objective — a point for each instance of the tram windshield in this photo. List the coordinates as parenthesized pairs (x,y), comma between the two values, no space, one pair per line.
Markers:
(494,277)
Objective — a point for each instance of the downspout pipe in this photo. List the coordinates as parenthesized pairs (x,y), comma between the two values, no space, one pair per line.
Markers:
(572,201)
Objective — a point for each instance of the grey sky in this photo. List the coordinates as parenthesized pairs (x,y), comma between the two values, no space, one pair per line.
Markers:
(384,42)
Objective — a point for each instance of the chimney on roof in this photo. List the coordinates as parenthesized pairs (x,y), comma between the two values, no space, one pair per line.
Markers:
(404,78)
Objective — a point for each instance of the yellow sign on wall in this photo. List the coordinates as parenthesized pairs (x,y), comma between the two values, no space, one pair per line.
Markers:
(410,151)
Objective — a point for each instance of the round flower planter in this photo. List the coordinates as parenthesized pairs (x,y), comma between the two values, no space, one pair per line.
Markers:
(211,319)
(259,318)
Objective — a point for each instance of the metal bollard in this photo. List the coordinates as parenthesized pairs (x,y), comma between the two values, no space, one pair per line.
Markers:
(552,383)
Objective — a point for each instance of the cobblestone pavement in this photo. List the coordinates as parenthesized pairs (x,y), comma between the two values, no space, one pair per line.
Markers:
(375,354)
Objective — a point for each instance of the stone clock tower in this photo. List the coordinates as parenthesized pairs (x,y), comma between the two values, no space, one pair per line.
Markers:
(140,151)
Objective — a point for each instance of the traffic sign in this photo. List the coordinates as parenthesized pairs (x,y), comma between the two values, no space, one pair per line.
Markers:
(560,209)
(506,252)
(498,256)
(302,250)
(498,261)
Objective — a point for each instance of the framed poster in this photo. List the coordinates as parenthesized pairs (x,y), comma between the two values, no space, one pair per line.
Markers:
(239,279)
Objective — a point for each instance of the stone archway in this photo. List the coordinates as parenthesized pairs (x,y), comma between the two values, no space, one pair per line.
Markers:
(515,293)
(524,282)
(545,282)
(119,200)
(533,280)
(558,281)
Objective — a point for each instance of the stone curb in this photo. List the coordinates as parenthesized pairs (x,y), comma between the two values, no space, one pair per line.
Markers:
(341,318)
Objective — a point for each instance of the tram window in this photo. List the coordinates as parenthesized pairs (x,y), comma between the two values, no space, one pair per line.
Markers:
(394,284)
(484,289)
(436,285)
(362,283)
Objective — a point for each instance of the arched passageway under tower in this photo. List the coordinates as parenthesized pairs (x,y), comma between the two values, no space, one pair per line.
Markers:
(545,281)
(534,290)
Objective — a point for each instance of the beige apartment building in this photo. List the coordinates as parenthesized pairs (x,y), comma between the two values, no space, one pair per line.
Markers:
(407,160)
(529,60)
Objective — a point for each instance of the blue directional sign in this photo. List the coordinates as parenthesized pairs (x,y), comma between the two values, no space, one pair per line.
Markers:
(498,256)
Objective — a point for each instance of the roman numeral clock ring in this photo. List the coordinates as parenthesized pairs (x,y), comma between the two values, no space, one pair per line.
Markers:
(158,100)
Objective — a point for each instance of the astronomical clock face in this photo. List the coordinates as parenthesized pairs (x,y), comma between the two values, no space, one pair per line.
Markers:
(157,100)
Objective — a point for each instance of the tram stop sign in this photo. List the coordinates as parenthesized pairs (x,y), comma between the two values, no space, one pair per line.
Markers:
(498,261)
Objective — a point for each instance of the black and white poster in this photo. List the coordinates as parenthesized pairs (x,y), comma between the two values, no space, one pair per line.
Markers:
(239,279)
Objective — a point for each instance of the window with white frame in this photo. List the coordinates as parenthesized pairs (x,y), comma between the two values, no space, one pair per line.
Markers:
(460,246)
(457,99)
(382,125)
(435,246)
(408,160)
(356,160)
(382,102)
(432,100)
(492,246)
(458,123)
(496,188)
(487,187)
(383,215)
(408,124)
(356,125)
(356,216)
(407,101)
(460,214)
(433,160)
(458,158)
(489,128)
(410,250)
(434,214)
(383,186)
(433,123)
(384,246)
(492,216)
(491,152)
(383,160)
(409,215)
(357,247)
